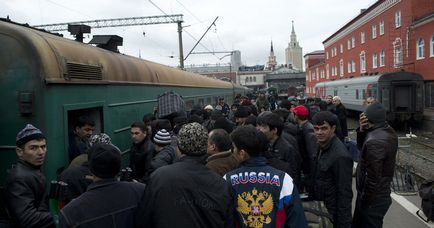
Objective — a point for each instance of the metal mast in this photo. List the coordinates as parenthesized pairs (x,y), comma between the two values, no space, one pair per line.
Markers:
(121,22)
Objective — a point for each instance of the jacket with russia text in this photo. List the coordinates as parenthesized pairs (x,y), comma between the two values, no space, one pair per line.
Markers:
(264,196)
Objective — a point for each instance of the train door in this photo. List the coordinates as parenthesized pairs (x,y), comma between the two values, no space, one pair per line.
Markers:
(72,115)
(402,94)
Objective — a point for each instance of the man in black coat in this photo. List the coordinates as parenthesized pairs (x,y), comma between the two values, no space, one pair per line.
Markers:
(187,193)
(379,144)
(141,152)
(25,192)
(332,173)
(107,201)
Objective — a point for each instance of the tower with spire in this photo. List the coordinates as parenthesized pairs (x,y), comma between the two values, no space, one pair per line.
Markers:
(294,53)
(271,64)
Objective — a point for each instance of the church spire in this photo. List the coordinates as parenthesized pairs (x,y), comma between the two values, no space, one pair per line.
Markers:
(271,59)
(293,27)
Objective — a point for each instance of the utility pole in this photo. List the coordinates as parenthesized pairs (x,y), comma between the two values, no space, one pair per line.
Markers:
(181,50)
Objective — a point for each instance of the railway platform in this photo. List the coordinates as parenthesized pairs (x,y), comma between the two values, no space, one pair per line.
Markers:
(428,120)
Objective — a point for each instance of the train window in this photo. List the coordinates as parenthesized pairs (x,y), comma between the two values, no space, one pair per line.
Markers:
(357,94)
(335,92)
(363,94)
(208,100)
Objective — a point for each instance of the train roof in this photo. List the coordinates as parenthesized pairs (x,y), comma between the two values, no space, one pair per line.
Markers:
(372,79)
(66,61)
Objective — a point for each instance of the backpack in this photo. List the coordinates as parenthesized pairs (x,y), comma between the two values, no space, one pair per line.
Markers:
(426,192)
(170,103)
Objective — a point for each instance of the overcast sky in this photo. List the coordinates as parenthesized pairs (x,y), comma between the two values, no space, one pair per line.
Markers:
(245,25)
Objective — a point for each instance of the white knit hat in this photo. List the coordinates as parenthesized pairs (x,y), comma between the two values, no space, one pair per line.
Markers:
(162,137)
(208,107)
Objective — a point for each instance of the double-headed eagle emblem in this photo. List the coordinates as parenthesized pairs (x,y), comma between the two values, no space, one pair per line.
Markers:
(255,208)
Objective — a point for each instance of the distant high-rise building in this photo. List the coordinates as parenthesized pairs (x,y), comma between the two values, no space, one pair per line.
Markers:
(294,53)
(271,64)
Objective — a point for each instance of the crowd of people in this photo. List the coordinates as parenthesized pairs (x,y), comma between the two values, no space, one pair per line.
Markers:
(246,165)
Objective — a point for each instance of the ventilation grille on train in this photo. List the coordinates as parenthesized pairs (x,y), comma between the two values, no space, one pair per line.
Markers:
(82,71)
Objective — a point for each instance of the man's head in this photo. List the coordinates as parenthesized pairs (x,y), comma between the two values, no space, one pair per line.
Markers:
(162,139)
(221,100)
(336,100)
(193,139)
(138,132)
(241,115)
(375,113)
(301,113)
(104,160)
(84,127)
(31,145)
(329,99)
(324,126)
(218,141)
(370,100)
(271,125)
(208,108)
(248,142)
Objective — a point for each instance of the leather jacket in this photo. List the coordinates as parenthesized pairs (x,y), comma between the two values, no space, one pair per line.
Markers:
(377,164)
(26,197)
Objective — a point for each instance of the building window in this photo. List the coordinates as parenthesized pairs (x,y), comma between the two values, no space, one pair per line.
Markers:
(342,48)
(353,66)
(348,44)
(322,73)
(397,19)
(381,28)
(362,62)
(327,71)
(254,79)
(382,58)
(419,49)
(397,53)
(374,60)
(349,66)
(362,37)
(432,46)
(327,55)
(341,68)
(353,42)
(374,31)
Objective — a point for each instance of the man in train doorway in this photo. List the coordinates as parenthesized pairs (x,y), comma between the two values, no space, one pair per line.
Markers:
(379,144)
(79,139)
(25,192)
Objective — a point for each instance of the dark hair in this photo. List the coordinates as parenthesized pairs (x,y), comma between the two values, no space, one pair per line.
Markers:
(221,139)
(148,118)
(272,120)
(140,125)
(84,120)
(283,113)
(250,120)
(324,116)
(322,105)
(248,138)
(285,104)
(225,124)
(196,118)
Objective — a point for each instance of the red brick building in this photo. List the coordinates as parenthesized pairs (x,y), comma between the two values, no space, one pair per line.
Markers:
(314,62)
(391,35)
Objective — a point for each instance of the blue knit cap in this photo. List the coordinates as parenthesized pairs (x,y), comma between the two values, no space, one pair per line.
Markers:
(27,134)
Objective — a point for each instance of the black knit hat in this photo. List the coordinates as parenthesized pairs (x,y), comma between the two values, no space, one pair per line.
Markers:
(104,160)
(376,113)
(27,134)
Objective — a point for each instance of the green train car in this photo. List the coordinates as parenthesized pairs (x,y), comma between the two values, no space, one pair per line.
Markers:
(49,81)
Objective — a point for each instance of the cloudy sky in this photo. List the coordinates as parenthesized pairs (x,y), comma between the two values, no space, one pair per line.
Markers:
(245,25)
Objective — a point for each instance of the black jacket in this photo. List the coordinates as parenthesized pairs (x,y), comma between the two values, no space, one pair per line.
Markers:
(186,194)
(284,151)
(308,147)
(77,179)
(140,159)
(106,203)
(26,197)
(165,156)
(341,112)
(377,164)
(332,181)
